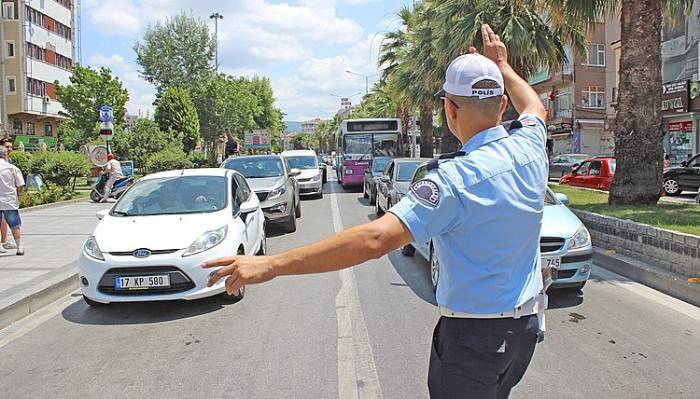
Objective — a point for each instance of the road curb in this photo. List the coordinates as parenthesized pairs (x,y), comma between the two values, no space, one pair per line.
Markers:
(52,205)
(664,281)
(38,294)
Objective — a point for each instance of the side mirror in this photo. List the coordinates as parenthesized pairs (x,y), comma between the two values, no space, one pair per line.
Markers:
(101,214)
(384,178)
(294,172)
(575,166)
(563,198)
(366,170)
(247,208)
(684,164)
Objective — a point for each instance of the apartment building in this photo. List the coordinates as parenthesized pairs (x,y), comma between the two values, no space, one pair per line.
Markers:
(576,100)
(38,50)
(311,125)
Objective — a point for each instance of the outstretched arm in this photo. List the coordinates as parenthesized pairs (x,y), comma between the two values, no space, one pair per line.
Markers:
(524,98)
(347,248)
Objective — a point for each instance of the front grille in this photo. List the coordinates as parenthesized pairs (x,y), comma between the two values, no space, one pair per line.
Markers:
(576,258)
(154,252)
(178,280)
(262,195)
(566,273)
(551,244)
(308,190)
(305,180)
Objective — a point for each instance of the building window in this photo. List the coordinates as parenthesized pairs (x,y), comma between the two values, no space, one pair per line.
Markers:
(36,52)
(30,128)
(35,16)
(48,129)
(36,87)
(11,85)
(596,55)
(16,126)
(593,97)
(10,48)
(8,10)
(614,95)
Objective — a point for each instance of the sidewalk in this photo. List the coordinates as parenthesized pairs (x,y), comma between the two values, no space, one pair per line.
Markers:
(52,238)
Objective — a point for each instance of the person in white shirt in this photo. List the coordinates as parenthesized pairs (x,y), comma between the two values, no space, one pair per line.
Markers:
(114,170)
(4,242)
(11,184)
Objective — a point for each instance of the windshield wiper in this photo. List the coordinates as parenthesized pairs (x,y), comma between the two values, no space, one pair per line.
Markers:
(365,154)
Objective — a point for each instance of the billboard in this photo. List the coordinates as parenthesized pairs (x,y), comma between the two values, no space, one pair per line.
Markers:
(258,139)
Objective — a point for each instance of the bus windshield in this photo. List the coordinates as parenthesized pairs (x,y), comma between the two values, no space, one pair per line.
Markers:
(385,145)
(358,144)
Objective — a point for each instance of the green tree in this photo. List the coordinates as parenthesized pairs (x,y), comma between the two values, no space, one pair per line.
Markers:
(144,139)
(88,90)
(224,102)
(169,158)
(177,52)
(175,113)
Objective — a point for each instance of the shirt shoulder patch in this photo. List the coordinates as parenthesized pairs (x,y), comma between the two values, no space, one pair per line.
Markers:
(427,192)
(528,122)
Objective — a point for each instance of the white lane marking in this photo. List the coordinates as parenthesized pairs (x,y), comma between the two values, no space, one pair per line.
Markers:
(34,320)
(357,373)
(649,293)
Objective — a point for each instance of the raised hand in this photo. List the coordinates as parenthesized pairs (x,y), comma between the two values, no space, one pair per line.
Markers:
(494,48)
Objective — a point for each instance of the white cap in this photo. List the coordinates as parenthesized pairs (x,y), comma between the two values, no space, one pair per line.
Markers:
(466,70)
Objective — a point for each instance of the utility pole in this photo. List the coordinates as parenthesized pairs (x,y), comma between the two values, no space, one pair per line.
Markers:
(364,76)
(216,17)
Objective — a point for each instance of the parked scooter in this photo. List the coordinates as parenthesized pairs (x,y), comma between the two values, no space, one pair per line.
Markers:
(120,186)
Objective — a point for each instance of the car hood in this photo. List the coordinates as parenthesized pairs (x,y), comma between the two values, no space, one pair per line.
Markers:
(309,173)
(559,221)
(161,232)
(266,183)
(402,186)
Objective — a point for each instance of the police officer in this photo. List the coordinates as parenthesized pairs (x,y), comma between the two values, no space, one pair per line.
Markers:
(482,208)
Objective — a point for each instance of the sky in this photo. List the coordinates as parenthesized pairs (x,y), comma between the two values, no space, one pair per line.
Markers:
(304,46)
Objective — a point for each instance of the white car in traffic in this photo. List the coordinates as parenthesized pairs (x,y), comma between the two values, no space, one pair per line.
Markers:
(150,245)
(311,177)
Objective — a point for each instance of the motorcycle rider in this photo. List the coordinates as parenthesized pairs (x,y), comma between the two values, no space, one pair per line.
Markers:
(114,171)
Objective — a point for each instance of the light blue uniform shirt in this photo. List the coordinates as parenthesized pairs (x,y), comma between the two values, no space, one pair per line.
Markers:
(483,212)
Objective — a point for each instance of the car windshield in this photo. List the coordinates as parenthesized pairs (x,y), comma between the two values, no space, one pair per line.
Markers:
(253,168)
(378,164)
(173,195)
(302,162)
(406,171)
(549,198)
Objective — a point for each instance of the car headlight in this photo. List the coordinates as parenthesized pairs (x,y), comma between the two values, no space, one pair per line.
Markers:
(207,241)
(277,192)
(91,249)
(581,239)
(316,178)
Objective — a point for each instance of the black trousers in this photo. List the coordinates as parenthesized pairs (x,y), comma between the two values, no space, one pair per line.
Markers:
(480,358)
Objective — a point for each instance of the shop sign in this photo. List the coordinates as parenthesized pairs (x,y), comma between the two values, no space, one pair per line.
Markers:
(676,127)
(674,97)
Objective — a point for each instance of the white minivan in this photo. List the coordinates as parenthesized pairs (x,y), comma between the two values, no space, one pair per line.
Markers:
(311,177)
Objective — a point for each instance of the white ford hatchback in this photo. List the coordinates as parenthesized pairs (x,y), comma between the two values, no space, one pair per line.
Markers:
(150,245)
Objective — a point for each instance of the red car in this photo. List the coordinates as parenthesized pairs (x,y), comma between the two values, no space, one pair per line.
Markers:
(596,173)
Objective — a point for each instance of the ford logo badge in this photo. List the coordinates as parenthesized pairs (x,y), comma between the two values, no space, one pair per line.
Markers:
(142,253)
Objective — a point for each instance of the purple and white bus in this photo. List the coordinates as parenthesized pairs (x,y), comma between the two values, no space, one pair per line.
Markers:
(359,141)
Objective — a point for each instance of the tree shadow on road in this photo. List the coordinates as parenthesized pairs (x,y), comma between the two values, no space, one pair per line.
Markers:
(415,272)
(126,313)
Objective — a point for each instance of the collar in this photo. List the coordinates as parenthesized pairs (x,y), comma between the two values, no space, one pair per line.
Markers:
(484,137)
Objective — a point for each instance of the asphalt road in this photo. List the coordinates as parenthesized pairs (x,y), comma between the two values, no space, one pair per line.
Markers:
(358,333)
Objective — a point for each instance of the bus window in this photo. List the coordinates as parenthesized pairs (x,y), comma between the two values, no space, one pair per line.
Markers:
(385,145)
(358,144)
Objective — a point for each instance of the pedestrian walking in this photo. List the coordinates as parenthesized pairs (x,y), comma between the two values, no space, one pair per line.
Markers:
(11,184)
(482,208)
(113,169)
(4,237)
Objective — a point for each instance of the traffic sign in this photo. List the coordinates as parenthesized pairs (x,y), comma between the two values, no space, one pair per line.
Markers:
(106,114)
(107,131)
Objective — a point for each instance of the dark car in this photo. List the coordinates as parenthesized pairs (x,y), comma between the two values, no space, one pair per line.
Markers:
(596,173)
(369,187)
(562,164)
(683,177)
(395,181)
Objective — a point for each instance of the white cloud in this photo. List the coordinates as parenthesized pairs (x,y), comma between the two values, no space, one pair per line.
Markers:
(114,17)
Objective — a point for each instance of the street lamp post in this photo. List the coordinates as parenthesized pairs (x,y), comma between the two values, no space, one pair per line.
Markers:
(216,17)
(363,76)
